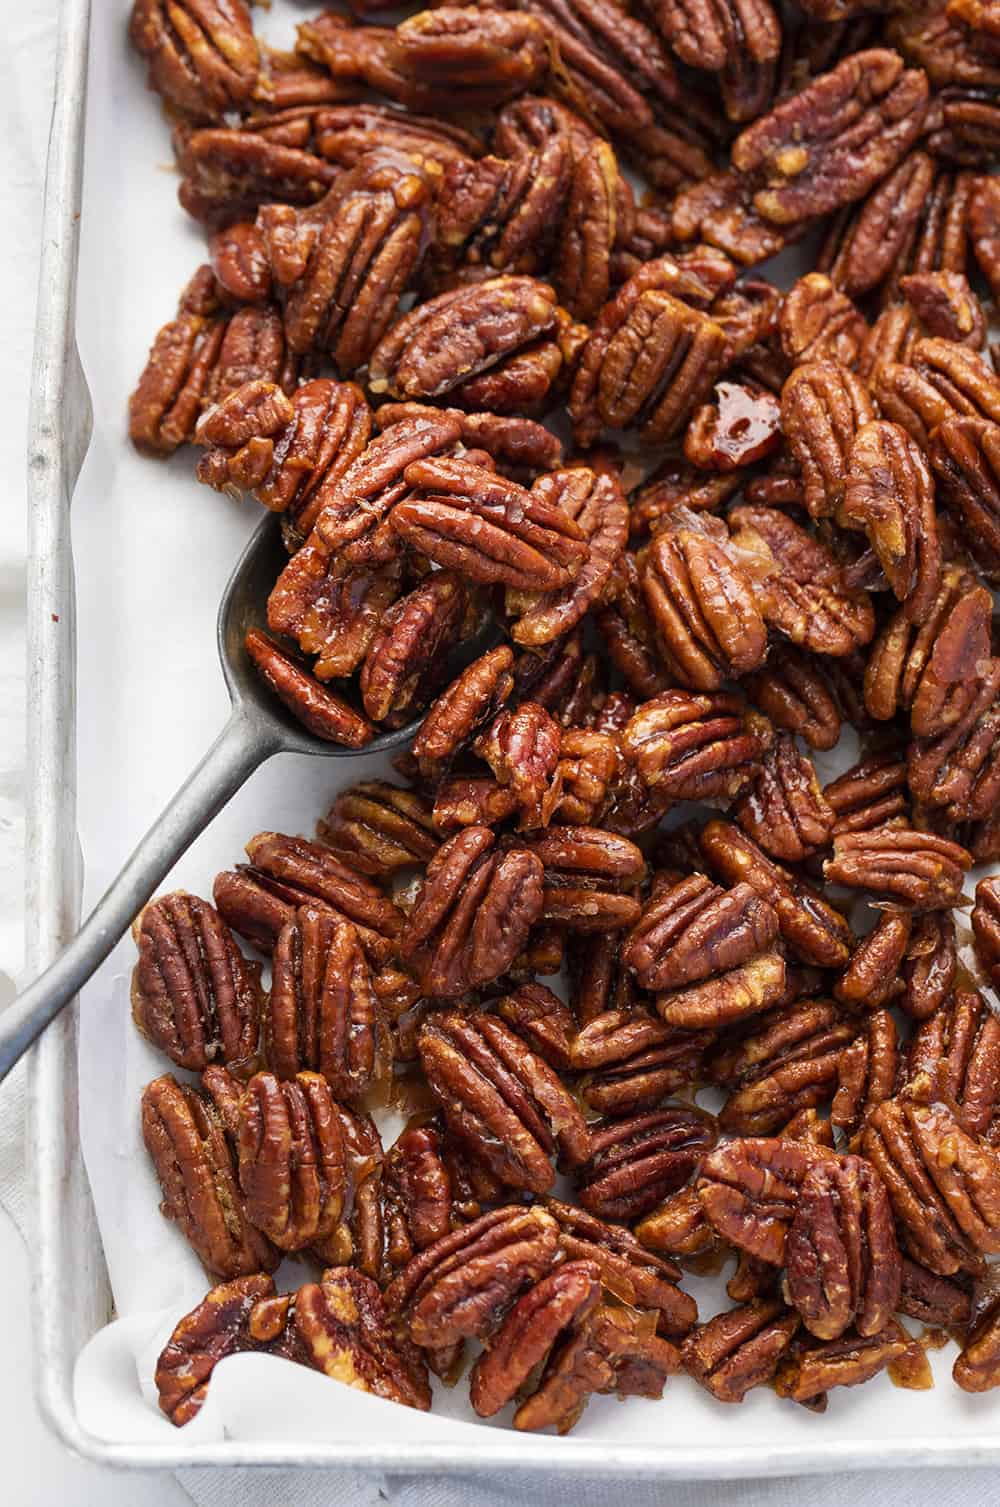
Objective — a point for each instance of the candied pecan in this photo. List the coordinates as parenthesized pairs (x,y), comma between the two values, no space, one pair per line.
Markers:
(544,1020)
(460,1286)
(678,1227)
(870,794)
(288,453)
(628,1271)
(673,483)
(415,635)
(585,870)
(915,870)
(843,1263)
(474,697)
(238,258)
(502,1099)
(788,1061)
(442,343)
(521,746)
(343,1330)
(632,1060)
(692,930)
(701,603)
(740,1349)
(628,634)
(322,1014)
(194,994)
(589,777)
(471,801)
(650,361)
(818,322)
(520,447)
(889,494)
(830,143)
(742,426)
(473,914)
(636,1162)
(862,250)
(598,980)
(378,828)
(227,172)
(696,747)
(802,592)
(930,965)
(165,406)
(946,306)
(944,1184)
(749,1190)
(986,927)
(596,503)
(324,714)
(943,1302)
(202,54)
(959,1046)
(977,1368)
(984,229)
(823,406)
(806,1375)
(487,528)
(225,1322)
(812,929)
(965,456)
(556,1304)
(416,1192)
(186,1136)
(793,694)
(872,976)
(293,1164)
(784,809)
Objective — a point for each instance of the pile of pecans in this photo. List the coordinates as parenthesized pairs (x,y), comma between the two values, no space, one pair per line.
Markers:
(796,539)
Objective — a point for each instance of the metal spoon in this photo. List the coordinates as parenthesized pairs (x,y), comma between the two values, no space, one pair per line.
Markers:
(258,726)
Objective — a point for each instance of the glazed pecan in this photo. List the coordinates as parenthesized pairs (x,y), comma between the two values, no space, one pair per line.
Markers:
(378,828)
(806,1375)
(719,210)
(815,932)
(965,456)
(293,1163)
(636,1162)
(650,361)
(959,1047)
(502,1099)
(288,452)
(227,172)
(202,54)
(739,1350)
(231,1318)
(942,381)
(167,401)
(331,609)
(701,604)
(784,810)
(944,1184)
(786,1060)
(520,447)
(598,979)
(416,1192)
(941,1301)
(738,39)
(544,1020)
(696,747)
(889,494)
(794,694)
(406,654)
(590,777)
(521,746)
(977,1369)
(323,713)
(595,502)
(692,930)
(818,323)
(194,994)
(474,697)
(802,593)
(676,482)
(585,872)
(558,1303)
(323,1015)
(944,305)
(460,1286)
(984,229)
(437,347)
(678,1227)
(467,518)
(863,249)
(916,870)
(986,927)
(872,793)
(833,141)
(186,1135)
(843,1263)
(343,1330)
(823,406)
(872,976)
(473,913)
(931,964)
(749,1190)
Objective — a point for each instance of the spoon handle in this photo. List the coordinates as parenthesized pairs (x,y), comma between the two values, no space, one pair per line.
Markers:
(239,749)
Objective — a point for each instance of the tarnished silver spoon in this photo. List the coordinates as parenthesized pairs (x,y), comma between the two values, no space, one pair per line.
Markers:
(258,726)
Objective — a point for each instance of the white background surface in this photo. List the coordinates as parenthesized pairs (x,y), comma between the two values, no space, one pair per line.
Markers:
(35,1468)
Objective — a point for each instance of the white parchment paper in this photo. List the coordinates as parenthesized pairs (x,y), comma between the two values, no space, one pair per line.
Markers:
(153,551)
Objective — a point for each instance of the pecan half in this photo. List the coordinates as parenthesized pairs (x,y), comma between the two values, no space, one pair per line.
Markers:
(739,1350)
(787,1060)
(807,1375)
(472,698)
(889,494)
(931,964)
(202,54)
(521,746)
(635,1163)
(977,1369)
(823,407)
(694,929)
(378,828)
(194,994)
(293,1165)
(916,870)
(585,871)
(502,1099)
(226,1322)
(749,1191)
(872,976)
(843,1263)
(959,1047)
(784,810)
(473,913)
(794,694)
(323,713)
(942,1301)
(343,1330)
(696,747)
(541,1017)
(556,1304)
(862,251)
(185,1133)
(416,1193)
(416,635)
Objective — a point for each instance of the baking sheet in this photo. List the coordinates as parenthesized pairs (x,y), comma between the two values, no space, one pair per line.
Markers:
(153,550)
